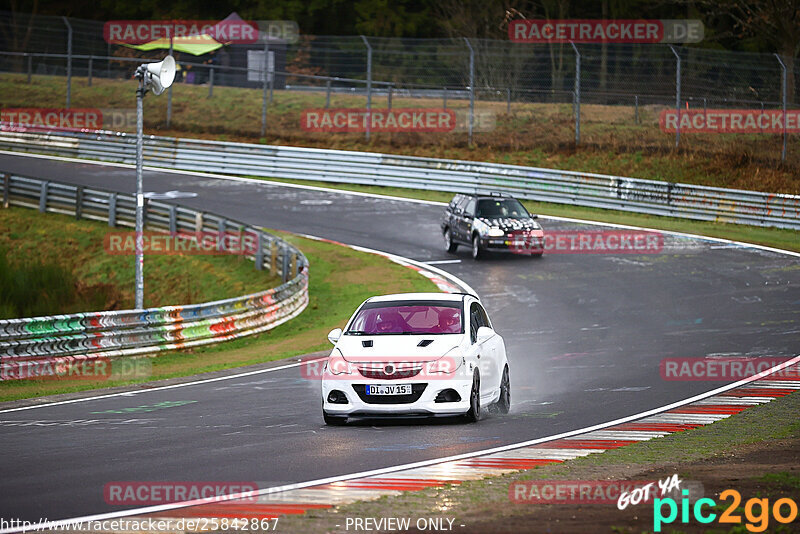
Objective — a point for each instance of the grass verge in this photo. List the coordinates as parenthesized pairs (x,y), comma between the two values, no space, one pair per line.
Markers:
(340,279)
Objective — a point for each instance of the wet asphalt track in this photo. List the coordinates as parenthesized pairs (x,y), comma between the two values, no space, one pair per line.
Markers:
(584,333)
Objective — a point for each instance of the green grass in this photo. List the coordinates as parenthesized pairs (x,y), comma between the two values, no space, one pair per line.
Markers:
(340,280)
(74,251)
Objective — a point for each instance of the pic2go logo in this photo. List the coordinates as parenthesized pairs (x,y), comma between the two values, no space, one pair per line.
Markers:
(758,521)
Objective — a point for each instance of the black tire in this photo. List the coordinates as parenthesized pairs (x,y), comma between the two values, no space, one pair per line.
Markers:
(477,251)
(473,415)
(449,244)
(333,420)
(537,254)
(504,402)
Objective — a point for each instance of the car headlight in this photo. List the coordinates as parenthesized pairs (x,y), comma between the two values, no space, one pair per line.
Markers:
(496,232)
(337,365)
(447,364)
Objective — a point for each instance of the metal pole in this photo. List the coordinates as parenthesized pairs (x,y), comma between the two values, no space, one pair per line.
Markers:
(169,91)
(89,77)
(577,94)
(69,61)
(636,109)
(471,87)
(108,61)
(445,98)
(677,96)
(391,87)
(139,260)
(264,93)
(369,84)
(30,67)
(327,94)
(211,82)
(508,101)
(783,91)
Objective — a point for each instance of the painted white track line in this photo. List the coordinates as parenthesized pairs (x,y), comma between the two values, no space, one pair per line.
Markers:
(487,462)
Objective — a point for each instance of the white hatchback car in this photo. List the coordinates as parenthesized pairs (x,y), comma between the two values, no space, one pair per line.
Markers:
(416,354)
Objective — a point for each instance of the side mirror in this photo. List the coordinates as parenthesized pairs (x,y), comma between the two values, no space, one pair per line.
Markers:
(534,216)
(334,335)
(484,334)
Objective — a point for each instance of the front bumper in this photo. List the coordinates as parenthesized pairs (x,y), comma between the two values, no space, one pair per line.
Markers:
(515,245)
(422,401)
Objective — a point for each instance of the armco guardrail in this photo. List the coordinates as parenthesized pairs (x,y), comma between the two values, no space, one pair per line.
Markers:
(547,185)
(26,345)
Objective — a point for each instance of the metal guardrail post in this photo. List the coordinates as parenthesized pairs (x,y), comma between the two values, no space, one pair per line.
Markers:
(273,261)
(198,222)
(69,61)
(78,202)
(577,94)
(293,266)
(43,196)
(259,260)
(222,229)
(677,96)
(6,189)
(369,86)
(783,92)
(112,210)
(471,88)
(173,219)
(284,265)
(211,82)
(89,74)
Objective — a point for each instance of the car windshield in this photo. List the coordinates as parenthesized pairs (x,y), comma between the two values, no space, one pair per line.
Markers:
(501,208)
(385,318)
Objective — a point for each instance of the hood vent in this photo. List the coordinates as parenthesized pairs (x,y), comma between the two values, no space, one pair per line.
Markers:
(424,342)
(366,343)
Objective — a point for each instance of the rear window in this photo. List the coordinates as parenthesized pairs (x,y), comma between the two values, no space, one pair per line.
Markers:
(399,318)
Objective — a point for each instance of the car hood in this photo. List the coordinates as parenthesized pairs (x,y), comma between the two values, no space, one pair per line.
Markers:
(511,225)
(391,348)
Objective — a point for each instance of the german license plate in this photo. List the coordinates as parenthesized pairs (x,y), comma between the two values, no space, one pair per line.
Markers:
(392,389)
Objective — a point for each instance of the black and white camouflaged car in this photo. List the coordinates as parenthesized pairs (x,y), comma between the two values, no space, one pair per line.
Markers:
(492,222)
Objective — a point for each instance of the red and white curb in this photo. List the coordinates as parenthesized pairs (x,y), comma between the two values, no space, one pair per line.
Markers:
(298,501)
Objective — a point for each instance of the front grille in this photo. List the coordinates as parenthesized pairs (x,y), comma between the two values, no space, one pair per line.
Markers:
(416,393)
(379,373)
